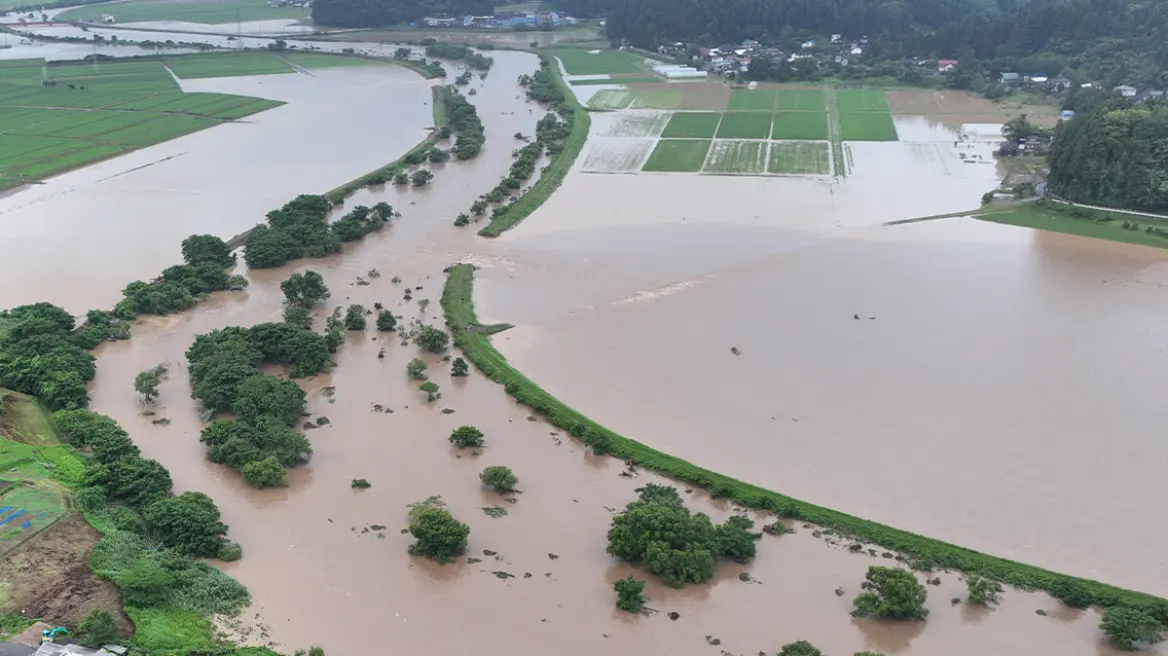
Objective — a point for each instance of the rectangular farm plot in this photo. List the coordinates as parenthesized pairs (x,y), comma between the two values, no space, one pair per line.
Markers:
(616,155)
(745,125)
(578,61)
(737,157)
(692,125)
(801,99)
(800,125)
(867,126)
(799,157)
(861,100)
(678,155)
(756,100)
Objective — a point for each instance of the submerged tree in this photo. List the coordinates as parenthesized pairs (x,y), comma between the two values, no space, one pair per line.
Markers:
(386,322)
(355,317)
(629,597)
(304,289)
(466,437)
(438,535)
(499,477)
(416,369)
(1128,626)
(421,177)
(891,593)
(146,382)
(800,648)
(982,591)
(431,390)
(432,339)
(459,368)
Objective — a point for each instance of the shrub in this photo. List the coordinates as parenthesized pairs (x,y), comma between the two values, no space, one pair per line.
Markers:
(231,552)
(891,593)
(416,369)
(98,628)
(1072,593)
(800,648)
(421,178)
(402,178)
(361,484)
(432,339)
(628,594)
(355,317)
(264,473)
(1127,626)
(439,535)
(304,289)
(982,591)
(499,477)
(431,390)
(386,322)
(466,437)
(459,368)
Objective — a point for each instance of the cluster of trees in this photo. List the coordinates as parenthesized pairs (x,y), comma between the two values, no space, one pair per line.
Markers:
(437,534)
(1112,40)
(301,229)
(374,13)
(891,593)
(224,368)
(431,68)
(40,355)
(464,122)
(1113,153)
(205,258)
(541,85)
(658,531)
(459,52)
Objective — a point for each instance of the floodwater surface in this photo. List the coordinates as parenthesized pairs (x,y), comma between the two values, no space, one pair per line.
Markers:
(629,292)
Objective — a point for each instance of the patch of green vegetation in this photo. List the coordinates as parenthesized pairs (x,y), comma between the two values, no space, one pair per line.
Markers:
(1046,215)
(170,631)
(861,100)
(227,64)
(800,125)
(921,551)
(691,125)
(637,98)
(578,61)
(209,12)
(867,126)
(12,624)
(758,100)
(326,60)
(678,155)
(801,99)
(737,157)
(745,125)
(614,80)
(799,157)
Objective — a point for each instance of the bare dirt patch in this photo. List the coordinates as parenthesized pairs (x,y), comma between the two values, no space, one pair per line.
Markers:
(930,101)
(49,577)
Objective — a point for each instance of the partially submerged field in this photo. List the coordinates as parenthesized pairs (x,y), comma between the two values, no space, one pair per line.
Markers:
(211,12)
(1099,224)
(56,117)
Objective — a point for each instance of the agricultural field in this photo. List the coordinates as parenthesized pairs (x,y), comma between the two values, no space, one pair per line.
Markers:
(634,125)
(867,126)
(861,100)
(801,99)
(745,125)
(691,125)
(86,112)
(746,157)
(799,157)
(324,60)
(678,155)
(756,100)
(616,155)
(800,125)
(613,80)
(578,61)
(636,99)
(227,64)
(208,12)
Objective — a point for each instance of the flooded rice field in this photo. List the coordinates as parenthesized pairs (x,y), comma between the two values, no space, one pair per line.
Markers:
(968,402)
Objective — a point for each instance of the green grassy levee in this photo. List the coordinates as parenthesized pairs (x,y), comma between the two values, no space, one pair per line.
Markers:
(1098,224)
(474,340)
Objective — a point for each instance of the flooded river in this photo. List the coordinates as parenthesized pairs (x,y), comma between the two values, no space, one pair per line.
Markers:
(983,404)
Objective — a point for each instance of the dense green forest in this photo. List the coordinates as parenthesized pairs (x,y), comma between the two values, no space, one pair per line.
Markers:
(1113,153)
(380,13)
(1112,40)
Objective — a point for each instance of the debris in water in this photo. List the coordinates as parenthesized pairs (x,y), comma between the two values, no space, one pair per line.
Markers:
(527,575)
(744,577)
(735,351)
(488,552)
(674,615)
(499,574)
(955,600)
(472,560)
(552,556)
(447,411)
(712,640)
(839,592)
(494,511)
(856,317)
(161,422)
(1040,612)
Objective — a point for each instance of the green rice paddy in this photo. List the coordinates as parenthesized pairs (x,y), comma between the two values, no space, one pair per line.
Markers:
(209,12)
(867,126)
(578,61)
(692,125)
(801,99)
(678,155)
(798,157)
(757,100)
(325,60)
(861,100)
(746,157)
(61,116)
(614,80)
(800,125)
(745,125)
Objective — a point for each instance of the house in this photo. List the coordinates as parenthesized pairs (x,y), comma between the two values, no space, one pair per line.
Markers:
(946,65)
(1038,79)
(857,50)
(807,45)
(1010,78)
(1125,90)
(439,22)
(836,38)
(106,18)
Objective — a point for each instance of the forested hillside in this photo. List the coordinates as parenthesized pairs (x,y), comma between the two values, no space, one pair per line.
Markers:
(1115,155)
(381,13)
(1112,39)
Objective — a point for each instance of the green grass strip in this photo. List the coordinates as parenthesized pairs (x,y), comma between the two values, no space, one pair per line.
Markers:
(922,552)
(615,80)
(1097,224)
(553,176)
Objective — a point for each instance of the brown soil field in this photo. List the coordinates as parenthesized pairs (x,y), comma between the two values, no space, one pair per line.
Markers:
(937,102)
(694,95)
(49,577)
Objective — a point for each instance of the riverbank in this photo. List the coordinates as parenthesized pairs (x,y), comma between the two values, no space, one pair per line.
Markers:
(922,552)
(1096,223)
(553,175)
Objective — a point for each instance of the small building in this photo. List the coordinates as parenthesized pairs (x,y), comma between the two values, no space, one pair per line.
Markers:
(946,65)
(857,50)
(1038,79)
(677,71)
(107,18)
(1010,78)
(1126,90)
(836,38)
(1067,114)
(807,45)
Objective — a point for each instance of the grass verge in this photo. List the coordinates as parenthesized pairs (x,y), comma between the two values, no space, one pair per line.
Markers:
(553,175)
(922,552)
(1046,215)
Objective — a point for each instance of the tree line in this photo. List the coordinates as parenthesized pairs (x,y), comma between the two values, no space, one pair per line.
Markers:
(382,13)
(300,229)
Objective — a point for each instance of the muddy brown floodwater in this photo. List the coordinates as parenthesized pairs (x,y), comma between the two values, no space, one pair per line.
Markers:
(607,245)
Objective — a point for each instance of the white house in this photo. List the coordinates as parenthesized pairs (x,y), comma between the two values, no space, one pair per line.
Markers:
(857,50)
(1126,91)
(807,45)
